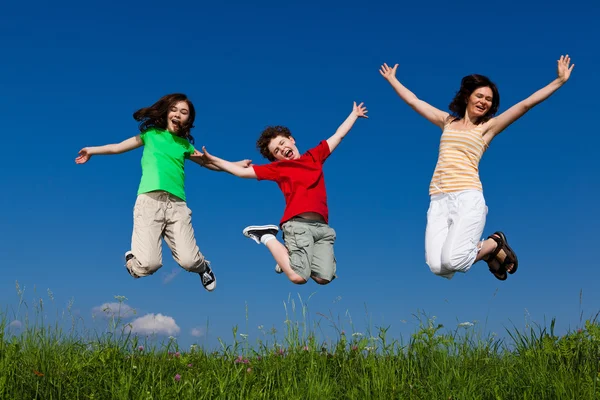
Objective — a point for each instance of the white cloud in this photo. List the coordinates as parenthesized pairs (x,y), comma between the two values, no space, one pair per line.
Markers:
(15,324)
(171,275)
(197,332)
(109,310)
(155,323)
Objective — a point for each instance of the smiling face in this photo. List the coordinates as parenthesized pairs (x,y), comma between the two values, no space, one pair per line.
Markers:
(283,148)
(480,102)
(178,115)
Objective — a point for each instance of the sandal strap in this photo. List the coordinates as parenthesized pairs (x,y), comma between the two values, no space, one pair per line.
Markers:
(500,246)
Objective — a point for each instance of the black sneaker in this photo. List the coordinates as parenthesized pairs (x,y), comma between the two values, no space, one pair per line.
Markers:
(256,232)
(208,278)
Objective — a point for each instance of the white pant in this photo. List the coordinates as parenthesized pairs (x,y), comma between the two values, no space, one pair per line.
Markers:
(455,222)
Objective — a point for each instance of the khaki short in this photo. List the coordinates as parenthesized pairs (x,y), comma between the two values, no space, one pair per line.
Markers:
(310,245)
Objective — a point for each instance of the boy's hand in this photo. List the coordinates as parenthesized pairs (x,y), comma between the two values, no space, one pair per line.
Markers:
(244,163)
(360,110)
(387,72)
(84,156)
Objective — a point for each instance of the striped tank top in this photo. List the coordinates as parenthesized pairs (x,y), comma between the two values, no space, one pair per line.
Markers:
(457,167)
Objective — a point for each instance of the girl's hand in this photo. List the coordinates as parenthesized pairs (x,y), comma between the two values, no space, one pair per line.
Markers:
(387,72)
(360,110)
(563,70)
(84,156)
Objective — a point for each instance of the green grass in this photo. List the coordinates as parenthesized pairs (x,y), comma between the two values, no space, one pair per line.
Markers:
(44,362)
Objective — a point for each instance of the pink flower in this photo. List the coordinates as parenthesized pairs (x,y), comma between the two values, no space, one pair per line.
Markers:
(190,365)
(141,348)
(177,377)
(177,355)
(249,370)
(281,352)
(354,348)
(305,348)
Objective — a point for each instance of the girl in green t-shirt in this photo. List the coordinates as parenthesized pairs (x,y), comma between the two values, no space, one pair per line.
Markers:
(160,210)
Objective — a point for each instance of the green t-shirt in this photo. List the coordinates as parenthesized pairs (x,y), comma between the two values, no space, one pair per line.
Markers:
(163,162)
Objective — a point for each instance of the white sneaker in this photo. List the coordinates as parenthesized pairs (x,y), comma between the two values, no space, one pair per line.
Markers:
(256,232)
(278,269)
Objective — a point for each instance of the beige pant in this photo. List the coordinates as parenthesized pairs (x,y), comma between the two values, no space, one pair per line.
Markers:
(158,215)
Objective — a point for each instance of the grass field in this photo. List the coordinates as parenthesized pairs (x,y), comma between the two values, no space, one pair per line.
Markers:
(43,361)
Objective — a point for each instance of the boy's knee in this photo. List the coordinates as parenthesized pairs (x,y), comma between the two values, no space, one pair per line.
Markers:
(297,279)
(321,281)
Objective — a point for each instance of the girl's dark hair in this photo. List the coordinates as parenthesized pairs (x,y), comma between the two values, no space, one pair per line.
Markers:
(267,135)
(156,115)
(468,85)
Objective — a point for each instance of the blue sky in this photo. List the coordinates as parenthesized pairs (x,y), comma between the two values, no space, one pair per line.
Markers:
(73,73)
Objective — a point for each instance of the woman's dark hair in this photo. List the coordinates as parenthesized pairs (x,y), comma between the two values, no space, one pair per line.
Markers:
(267,135)
(468,85)
(156,115)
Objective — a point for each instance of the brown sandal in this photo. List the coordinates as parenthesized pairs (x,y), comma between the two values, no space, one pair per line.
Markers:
(503,255)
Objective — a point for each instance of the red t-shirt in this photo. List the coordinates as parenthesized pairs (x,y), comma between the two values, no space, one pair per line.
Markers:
(301,181)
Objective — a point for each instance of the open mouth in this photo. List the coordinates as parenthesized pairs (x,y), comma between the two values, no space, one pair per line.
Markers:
(176,123)
(480,108)
(288,153)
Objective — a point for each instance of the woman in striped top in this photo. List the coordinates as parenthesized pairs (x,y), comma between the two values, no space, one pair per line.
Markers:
(457,210)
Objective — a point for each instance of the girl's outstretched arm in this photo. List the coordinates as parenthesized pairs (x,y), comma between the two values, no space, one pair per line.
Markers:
(358,111)
(432,114)
(117,148)
(501,122)
(240,169)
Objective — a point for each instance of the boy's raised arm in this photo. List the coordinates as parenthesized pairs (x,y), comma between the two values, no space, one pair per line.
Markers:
(358,111)
(238,169)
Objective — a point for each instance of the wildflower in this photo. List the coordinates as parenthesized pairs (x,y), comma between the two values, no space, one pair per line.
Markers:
(249,370)
(305,348)
(141,348)
(343,333)
(193,347)
(243,335)
(177,355)
(281,352)
(354,348)
(177,377)
(465,324)
(190,365)
(357,334)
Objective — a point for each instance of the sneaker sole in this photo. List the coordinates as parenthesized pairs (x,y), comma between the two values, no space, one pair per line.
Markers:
(258,227)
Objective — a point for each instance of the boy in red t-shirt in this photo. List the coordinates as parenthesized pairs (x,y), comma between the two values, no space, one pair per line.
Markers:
(308,251)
